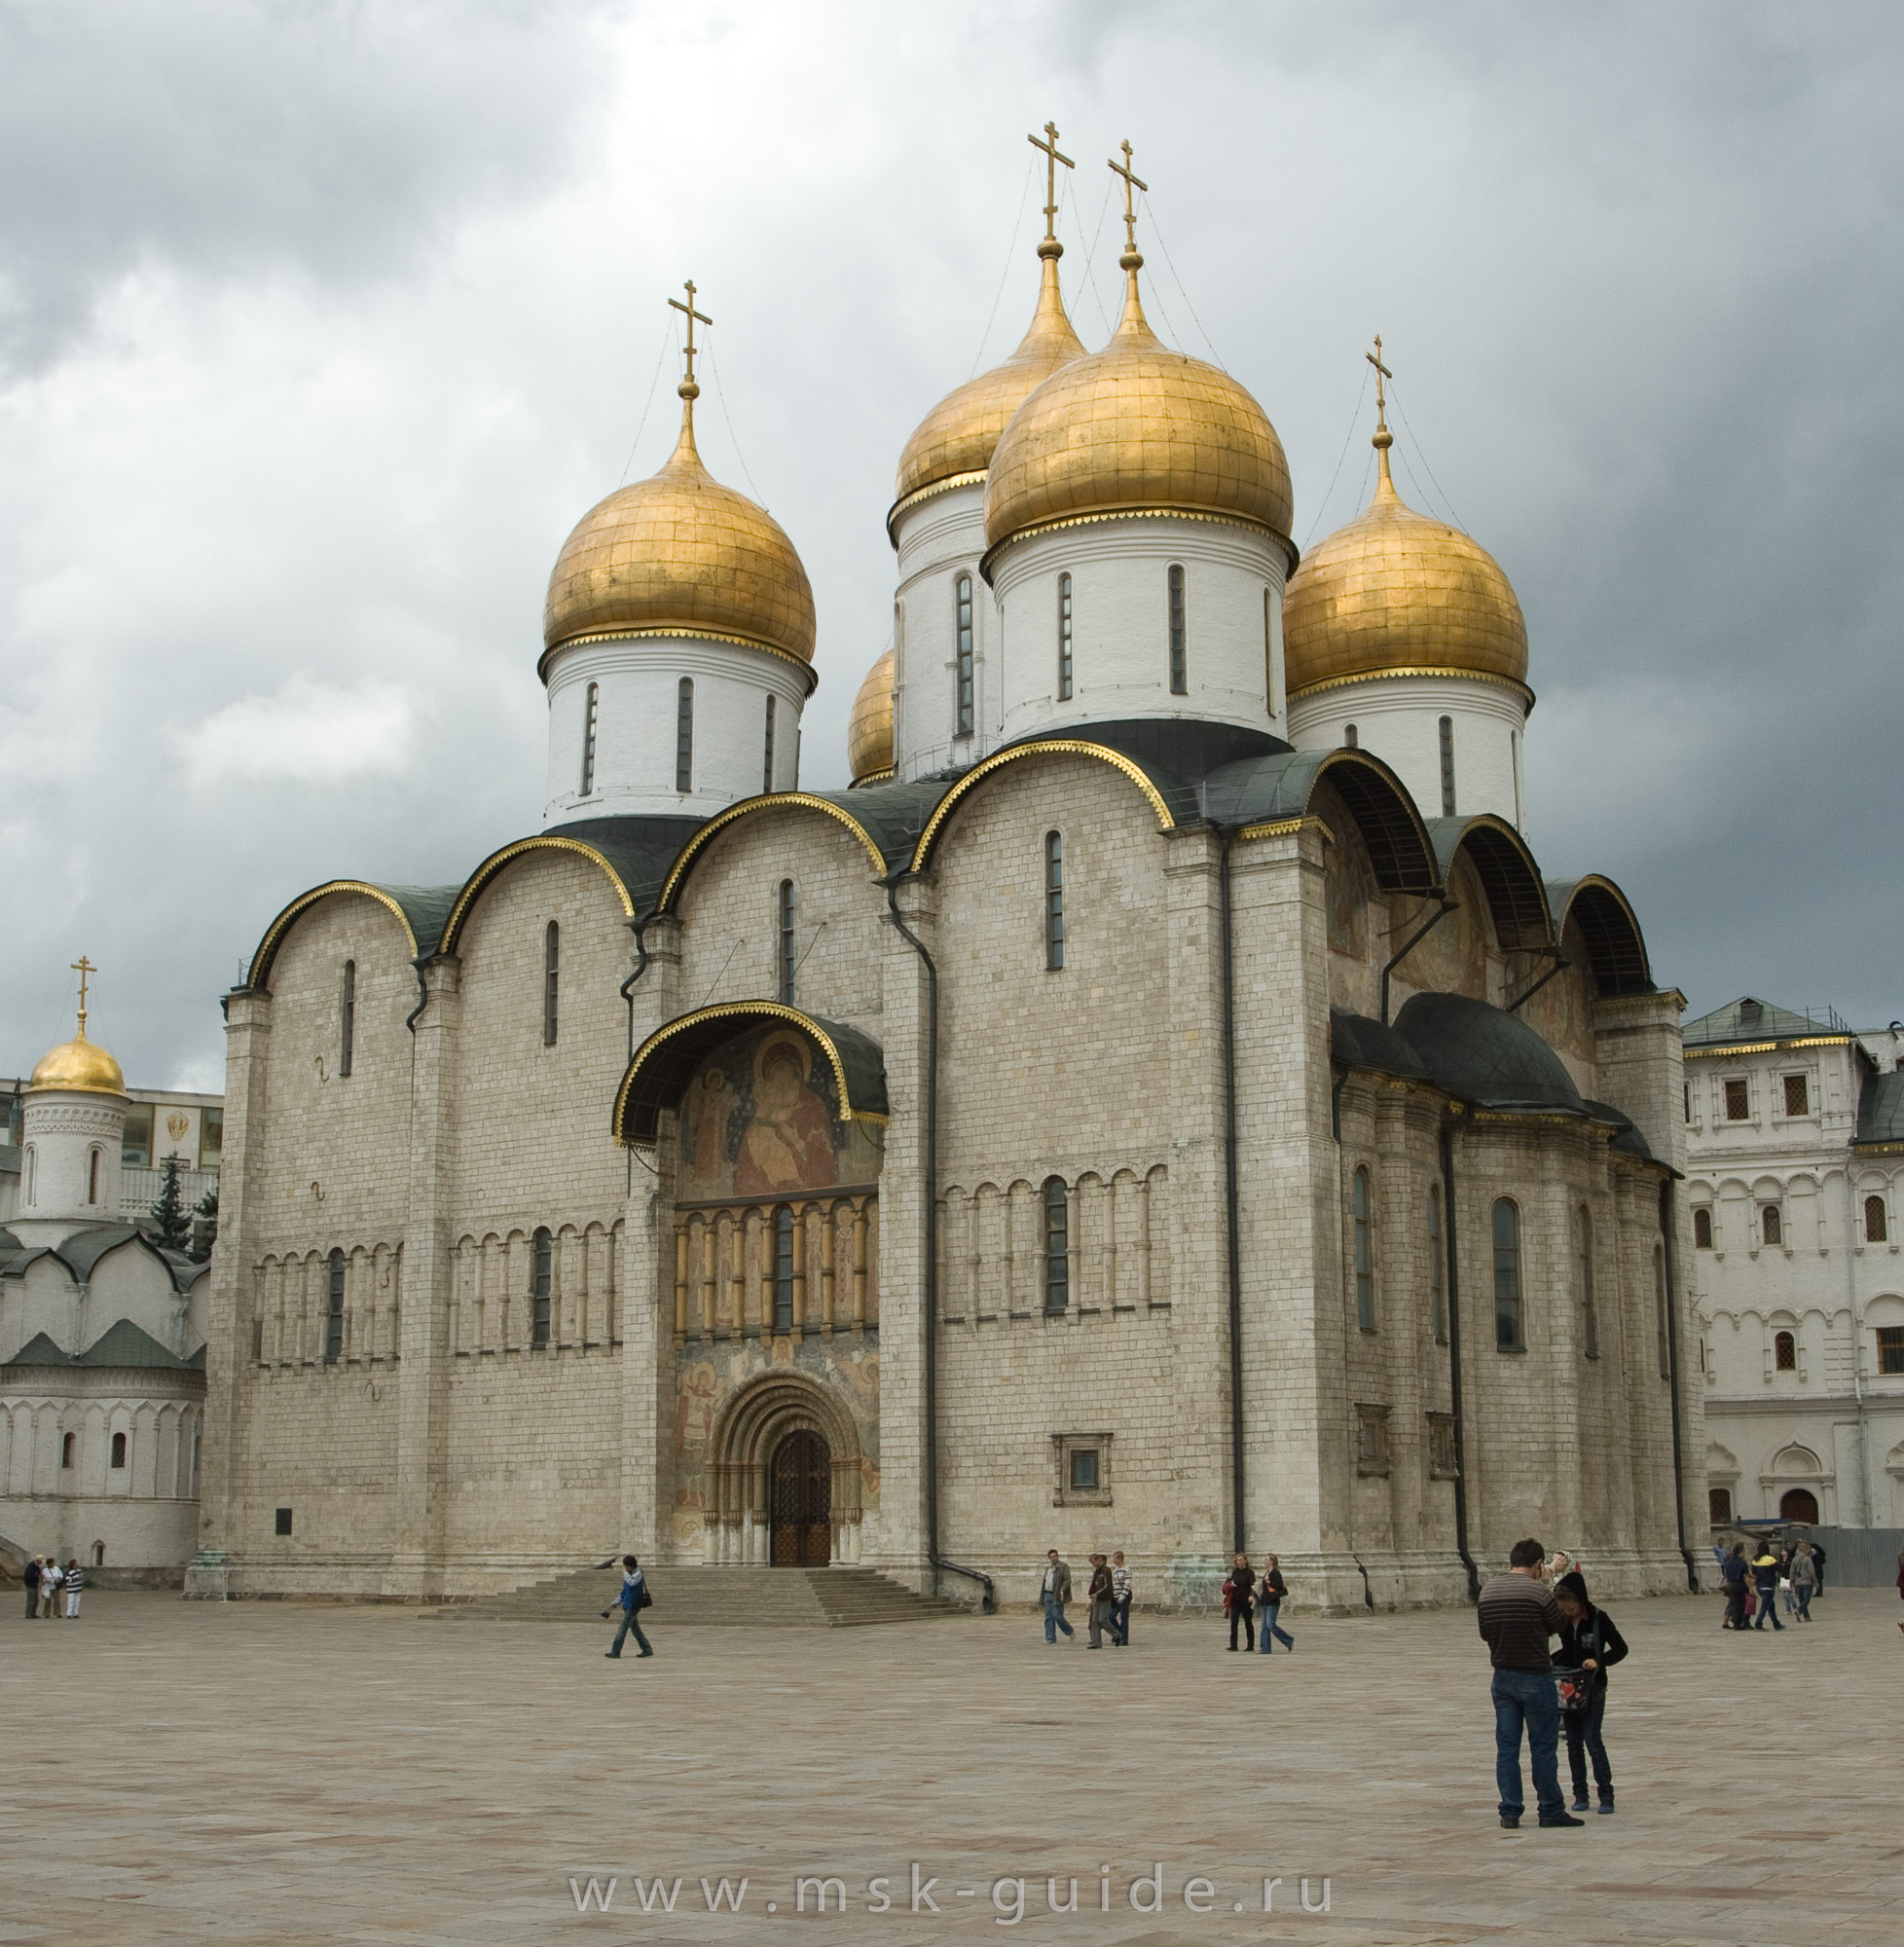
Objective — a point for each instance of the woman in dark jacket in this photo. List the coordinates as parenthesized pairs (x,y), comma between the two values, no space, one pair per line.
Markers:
(1236,1594)
(1589,1642)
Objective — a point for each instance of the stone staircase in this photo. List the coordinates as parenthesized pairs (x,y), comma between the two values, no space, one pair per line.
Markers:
(786,1598)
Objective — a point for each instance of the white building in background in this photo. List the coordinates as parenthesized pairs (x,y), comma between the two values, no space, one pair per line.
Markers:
(1794,1145)
(102,1334)
(159,1122)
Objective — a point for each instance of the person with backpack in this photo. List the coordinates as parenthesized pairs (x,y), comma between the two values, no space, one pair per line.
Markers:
(1589,1642)
(635,1598)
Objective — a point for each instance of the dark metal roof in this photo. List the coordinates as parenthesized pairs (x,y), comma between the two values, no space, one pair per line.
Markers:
(639,849)
(1749,1020)
(421,909)
(40,1350)
(1487,1057)
(1356,1041)
(1628,1140)
(1516,900)
(126,1346)
(1609,927)
(1259,790)
(664,1063)
(1880,1109)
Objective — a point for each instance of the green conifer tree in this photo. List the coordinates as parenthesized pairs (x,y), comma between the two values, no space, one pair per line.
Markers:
(169,1214)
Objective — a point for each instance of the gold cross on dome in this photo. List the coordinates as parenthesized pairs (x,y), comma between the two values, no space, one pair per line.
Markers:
(1049,149)
(692,315)
(83,967)
(1130,214)
(1381,372)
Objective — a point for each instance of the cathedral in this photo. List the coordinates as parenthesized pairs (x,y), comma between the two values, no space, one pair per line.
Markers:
(1162,1104)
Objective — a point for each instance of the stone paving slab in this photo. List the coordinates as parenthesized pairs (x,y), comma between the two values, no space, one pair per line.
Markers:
(283,1773)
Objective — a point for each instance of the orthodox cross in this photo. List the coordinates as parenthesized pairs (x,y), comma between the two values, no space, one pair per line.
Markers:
(1049,149)
(692,315)
(1381,372)
(83,967)
(1130,214)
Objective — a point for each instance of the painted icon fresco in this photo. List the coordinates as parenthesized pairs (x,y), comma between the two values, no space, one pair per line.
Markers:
(761,1118)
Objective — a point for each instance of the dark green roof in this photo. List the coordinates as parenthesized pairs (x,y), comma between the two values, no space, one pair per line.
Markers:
(1880,1109)
(1356,1041)
(1486,1056)
(426,909)
(126,1345)
(1627,1141)
(640,849)
(1748,1020)
(40,1350)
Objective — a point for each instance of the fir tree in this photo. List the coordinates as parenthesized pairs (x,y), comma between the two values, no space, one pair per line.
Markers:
(169,1214)
(204,1233)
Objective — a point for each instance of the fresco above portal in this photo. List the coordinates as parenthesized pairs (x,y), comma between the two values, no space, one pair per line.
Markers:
(761,1119)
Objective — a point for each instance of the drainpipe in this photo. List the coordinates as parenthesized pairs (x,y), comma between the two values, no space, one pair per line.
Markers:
(1673,1378)
(928,1225)
(1454,1365)
(1857,1335)
(1447,907)
(1238,1542)
(627,991)
(1560,966)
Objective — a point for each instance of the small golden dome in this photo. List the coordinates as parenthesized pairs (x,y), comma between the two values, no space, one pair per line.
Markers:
(680,554)
(1133,429)
(870,729)
(960,434)
(79,1066)
(1397,591)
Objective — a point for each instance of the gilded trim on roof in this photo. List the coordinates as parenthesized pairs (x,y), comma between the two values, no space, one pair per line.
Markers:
(546,841)
(905,503)
(586,635)
(1519,689)
(745,809)
(1284,828)
(274,933)
(1216,516)
(1766,1046)
(727,1011)
(1063,746)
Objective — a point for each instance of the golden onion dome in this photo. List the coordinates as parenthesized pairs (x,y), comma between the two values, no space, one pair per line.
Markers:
(1137,428)
(960,434)
(680,555)
(870,729)
(79,1067)
(1398,593)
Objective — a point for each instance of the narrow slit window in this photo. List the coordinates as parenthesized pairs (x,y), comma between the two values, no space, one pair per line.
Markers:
(1365,1277)
(334,1311)
(590,710)
(1057,1246)
(542,1296)
(788,920)
(1269,651)
(119,1449)
(1448,767)
(966,701)
(1583,1246)
(1436,1269)
(767,756)
(1784,1351)
(783,1270)
(550,982)
(1055,902)
(1064,637)
(1772,1220)
(92,1176)
(1701,1230)
(1351,737)
(1179,636)
(66,1457)
(684,736)
(1508,1333)
(346,1046)
(1877,1230)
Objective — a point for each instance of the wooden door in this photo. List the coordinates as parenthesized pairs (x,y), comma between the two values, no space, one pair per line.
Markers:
(802,1502)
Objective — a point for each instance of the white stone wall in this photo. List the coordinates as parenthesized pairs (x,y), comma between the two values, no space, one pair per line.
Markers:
(638,679)
(1120,624)
(1398,719)
(62,1188)
(938,539)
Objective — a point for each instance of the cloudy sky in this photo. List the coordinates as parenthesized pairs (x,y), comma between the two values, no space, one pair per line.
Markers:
(321,326)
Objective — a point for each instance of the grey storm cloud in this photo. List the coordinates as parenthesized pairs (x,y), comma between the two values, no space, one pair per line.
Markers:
(320,324)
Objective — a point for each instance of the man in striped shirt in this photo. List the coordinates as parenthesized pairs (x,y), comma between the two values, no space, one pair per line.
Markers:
(1518,1614)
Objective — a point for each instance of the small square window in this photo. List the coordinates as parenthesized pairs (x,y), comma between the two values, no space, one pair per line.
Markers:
(1442,1462)
(1083,1470)
(1890,1349)
(1798,1097)
(1738,1101)
(1371,1439)
(285,1521)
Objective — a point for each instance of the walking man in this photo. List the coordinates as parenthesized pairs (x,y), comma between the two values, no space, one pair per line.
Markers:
(1805,1580)
(31,1577)
(1099,1596)
(1270,1601)
(75,1582)
(1765,1576)
(1734,1571)
(1119,1601)
(635,1598)
(1518,1614)
(1058,1592)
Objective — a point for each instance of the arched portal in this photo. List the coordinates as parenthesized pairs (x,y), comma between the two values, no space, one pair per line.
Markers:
(800,1502)
(1798,1504)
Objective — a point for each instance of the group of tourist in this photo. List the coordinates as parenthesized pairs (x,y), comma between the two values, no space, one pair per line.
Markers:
(47,1583)
(1108,1594)
(1754,1583)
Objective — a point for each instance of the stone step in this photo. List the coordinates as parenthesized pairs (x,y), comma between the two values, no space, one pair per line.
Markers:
(714,1598)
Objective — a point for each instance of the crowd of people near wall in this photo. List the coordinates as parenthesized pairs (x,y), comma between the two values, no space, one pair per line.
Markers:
(1248,1600)
(50,1590)
(1755,1583)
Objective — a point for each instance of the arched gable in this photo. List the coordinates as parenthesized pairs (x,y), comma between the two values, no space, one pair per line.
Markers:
(1609,930)
(1263,794)
(492,869)
(418,910)
(775,801)
(1510,879)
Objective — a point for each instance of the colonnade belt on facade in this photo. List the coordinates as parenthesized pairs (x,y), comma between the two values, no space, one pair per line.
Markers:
(726,1270)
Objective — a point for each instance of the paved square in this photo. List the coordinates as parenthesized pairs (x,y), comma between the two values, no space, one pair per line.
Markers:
(265,1772)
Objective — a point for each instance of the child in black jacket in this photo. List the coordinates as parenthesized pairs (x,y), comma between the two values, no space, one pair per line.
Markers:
(1587,1642)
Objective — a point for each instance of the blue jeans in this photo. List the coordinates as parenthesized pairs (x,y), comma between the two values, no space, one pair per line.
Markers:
(631,1620)
(1270,1627)
(1527,1696)
(1584,1742)
(1768,1606)
(1120,1619)
(1804,1590)
(1054,1617)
